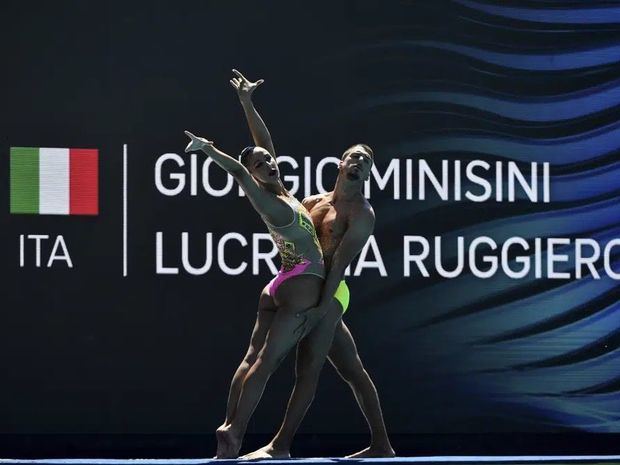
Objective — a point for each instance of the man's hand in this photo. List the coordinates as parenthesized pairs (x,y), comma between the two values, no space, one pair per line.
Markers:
(243,86)
(308,317)
(319,312)
(196,143)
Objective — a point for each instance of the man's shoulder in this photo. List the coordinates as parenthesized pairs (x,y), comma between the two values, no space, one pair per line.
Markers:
(362,218)
(363,210)
(312,200)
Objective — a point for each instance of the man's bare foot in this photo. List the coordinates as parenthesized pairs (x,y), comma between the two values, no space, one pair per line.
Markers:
(228,444)
(268,452)
(373,452)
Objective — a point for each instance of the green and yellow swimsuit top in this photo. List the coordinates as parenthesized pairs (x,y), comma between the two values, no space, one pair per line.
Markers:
(297,241)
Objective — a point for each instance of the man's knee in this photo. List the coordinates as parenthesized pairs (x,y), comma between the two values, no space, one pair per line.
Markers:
(352,372)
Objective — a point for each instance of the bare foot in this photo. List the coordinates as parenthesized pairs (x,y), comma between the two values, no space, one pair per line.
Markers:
(219,445)
(228,444)
(373,452)
(268,452)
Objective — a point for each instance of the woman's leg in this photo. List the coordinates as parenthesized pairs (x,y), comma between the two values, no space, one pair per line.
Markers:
(264,317)
(344,357)
(311,354)
(293,295)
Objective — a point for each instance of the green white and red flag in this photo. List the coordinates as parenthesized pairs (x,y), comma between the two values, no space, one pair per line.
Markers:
(54,181)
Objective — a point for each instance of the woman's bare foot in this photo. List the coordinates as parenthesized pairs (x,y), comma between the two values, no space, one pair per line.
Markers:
(228,444)
(219,445)
(373,452)
(268,452)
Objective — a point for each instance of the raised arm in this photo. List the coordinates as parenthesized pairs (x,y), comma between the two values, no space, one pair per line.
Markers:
(258,128)
(263,202)
(226,162)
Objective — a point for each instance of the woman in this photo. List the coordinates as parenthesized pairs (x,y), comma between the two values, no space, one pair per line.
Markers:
(297,285)
(313,349)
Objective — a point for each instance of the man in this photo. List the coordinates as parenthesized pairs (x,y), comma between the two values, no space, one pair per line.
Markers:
(344,220)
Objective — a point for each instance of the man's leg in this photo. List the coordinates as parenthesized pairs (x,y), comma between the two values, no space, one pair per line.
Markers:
(311,354)
(264,317)
(344,357)
(294,295)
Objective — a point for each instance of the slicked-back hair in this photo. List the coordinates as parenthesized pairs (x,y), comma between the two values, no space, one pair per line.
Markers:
(244,156)
(366,148)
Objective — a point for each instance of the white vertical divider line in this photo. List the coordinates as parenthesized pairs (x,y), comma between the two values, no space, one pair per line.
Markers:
(21,250)
(124,210)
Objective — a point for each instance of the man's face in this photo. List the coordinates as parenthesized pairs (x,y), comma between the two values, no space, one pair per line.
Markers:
(356,164)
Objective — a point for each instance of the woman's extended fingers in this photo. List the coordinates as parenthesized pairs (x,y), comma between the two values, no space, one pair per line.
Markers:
(240,76)
(243,84)
(196,143)
(188,147)
(191,146)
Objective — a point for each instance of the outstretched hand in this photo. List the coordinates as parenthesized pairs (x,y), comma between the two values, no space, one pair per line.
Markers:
(243,86)
(196,143)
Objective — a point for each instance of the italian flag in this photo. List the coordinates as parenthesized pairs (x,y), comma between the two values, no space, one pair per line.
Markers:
(51,181)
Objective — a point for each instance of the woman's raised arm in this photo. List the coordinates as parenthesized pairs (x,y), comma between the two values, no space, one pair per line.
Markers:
(245,88)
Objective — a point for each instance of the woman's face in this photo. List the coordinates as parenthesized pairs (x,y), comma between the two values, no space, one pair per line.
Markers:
(263,167)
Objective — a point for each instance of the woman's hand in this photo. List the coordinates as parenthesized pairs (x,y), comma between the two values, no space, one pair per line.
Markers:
(243,86)
(197,143)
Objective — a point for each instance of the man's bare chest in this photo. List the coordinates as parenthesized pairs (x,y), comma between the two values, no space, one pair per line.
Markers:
(331,221)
